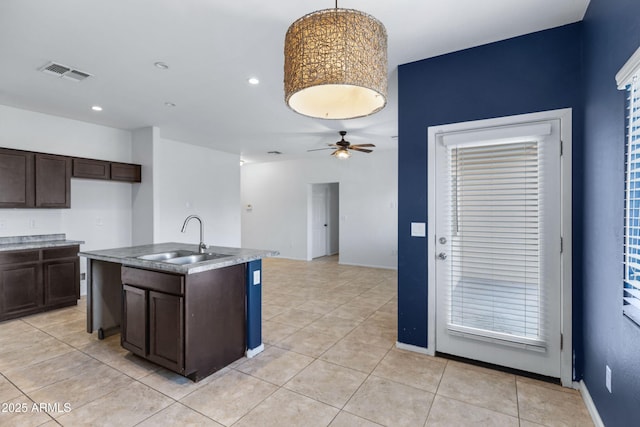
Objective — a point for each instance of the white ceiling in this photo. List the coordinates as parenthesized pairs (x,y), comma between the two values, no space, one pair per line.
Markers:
(212,48)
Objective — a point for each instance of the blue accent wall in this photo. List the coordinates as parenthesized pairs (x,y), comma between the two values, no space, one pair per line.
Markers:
(535,72)
(611,36)
(254,305)
(571,66)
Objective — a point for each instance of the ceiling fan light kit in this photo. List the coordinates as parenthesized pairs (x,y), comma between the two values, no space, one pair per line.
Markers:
(341,153)
(342,147)
(335,64)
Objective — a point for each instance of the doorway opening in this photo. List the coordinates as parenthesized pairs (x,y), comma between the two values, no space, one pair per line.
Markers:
(323,209)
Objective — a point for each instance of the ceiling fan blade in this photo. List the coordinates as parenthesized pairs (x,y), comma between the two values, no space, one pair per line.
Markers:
(363,145)
(364,150)
(330,147)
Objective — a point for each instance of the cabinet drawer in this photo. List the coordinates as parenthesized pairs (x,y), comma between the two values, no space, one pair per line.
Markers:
(18,257)
(153,280)
(64,252)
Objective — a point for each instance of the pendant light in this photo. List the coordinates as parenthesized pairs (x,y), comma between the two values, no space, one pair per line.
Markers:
(335,64)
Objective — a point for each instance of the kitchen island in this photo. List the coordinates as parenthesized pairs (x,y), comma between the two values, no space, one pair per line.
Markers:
(191,312)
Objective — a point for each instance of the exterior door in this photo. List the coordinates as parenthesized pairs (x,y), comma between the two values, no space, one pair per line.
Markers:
(498,245)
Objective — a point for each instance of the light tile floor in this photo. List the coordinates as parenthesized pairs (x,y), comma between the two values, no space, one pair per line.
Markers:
(330,359)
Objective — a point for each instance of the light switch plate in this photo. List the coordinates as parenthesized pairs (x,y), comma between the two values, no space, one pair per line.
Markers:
(418,229)
(256,277)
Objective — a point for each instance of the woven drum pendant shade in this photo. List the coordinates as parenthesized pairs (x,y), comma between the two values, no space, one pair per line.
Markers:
(335,64)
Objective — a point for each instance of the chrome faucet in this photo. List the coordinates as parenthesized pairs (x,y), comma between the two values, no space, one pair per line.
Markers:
(202,246)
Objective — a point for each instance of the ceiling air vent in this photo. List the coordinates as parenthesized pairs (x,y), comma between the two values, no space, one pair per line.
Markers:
(63,71)
(274,152)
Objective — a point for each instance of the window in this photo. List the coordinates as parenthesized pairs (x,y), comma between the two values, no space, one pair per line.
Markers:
(629,79)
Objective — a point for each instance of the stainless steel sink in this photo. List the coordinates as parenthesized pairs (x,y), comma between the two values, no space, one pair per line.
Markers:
(191,259)
(164,256)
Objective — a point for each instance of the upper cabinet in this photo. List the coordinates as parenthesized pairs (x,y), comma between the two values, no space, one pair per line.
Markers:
(53,181)
(30,180)
(125,172)
(17,179)
(92,169)
(39,180)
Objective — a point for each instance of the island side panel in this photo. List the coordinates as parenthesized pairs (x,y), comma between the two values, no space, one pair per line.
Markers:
(254,308)
(104,307)
(215,316)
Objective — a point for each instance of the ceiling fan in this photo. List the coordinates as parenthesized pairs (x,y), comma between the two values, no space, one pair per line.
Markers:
(343,147)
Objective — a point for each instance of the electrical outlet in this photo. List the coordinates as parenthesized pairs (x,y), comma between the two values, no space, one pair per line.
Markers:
(608,378)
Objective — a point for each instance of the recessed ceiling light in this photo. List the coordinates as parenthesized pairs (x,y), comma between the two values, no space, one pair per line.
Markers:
(253,80)
(169,104)
(96,108)
(161,65)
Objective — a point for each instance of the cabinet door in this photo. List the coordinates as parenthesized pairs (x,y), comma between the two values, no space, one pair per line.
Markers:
(16,179)
(92,169)
(61,282)
(20,290)
(166,336)
(134,320)
(53,181)
(125,172)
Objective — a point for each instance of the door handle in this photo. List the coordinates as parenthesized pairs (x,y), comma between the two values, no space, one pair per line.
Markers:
(442,256)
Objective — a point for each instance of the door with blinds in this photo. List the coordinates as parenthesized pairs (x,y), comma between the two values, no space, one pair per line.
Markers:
(498,245)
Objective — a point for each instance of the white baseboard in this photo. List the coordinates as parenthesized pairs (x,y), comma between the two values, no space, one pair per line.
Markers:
(414,348)
(591,407)
(251,352)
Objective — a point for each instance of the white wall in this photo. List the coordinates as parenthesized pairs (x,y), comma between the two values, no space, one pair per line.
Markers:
(100,211)
(278,194)
(189,179)
(143,218)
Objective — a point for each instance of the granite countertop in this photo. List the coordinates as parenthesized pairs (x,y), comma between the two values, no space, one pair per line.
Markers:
(129,256)
(16,243)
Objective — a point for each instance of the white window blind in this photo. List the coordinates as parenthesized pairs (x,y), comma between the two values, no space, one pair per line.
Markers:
(631,289)
(628,79)
(496,225)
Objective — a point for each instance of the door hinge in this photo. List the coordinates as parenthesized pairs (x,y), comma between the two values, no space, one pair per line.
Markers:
(561,341)
(561,147)
(561,244)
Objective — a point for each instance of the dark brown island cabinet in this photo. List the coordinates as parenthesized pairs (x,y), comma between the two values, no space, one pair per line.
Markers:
(191,324)
(36,280)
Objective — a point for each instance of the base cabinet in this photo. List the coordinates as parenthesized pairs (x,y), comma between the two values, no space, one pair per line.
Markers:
(38,280)
(20,290)
(193,324)
(60,281)
(166,340)
(134,320)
